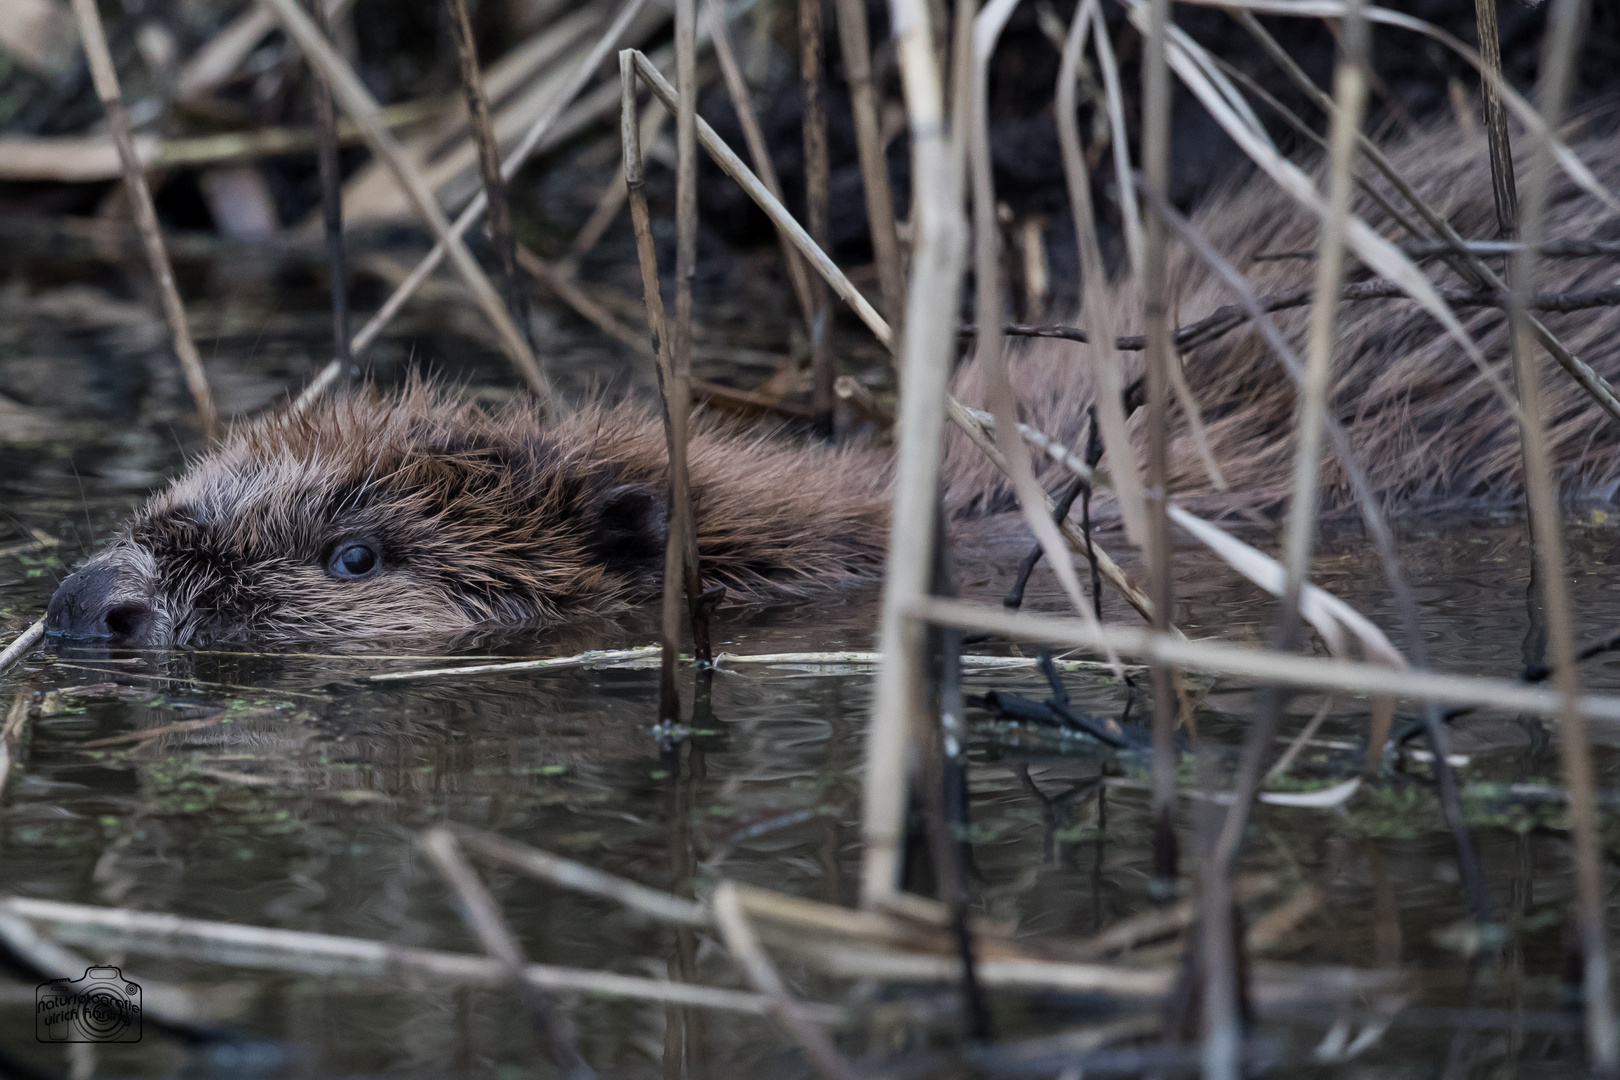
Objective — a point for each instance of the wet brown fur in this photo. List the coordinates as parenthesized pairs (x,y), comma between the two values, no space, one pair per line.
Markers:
(495,518)
(1429,430)
(482,518)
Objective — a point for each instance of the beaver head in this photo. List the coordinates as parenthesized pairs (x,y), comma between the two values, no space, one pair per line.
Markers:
(378,514)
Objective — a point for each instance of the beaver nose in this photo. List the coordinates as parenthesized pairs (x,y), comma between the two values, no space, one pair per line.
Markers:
(94,604)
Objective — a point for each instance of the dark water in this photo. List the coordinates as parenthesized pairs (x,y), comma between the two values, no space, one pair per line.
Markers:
(300,809)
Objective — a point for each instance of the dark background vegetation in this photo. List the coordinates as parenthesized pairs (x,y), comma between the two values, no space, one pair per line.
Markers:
(405,53)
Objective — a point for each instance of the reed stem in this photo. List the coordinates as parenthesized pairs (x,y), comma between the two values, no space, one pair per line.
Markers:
(1565,20)
(817,178)
(105,77)
(326,157)
(489,165)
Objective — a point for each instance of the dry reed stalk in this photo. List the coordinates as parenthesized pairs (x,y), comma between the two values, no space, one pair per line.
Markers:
(1223,1046)
(166,1006)
(669,702)
(325,955)
(1550,249)
(362,108)
(105,77)
(489,164)
(1095,307)
(855,46)
(77,159)
(326,157)
(11,733)
(1135,243)
(1502,184)
(1032,499)
(733,166)
(678,388)
(744,946)
(514,161)
(585,659)
(1155,537)
(21,645)
(482,916)
(931,308)
(817,178)
(578,877)
(758,151)
(1265,665)
(1603,1047)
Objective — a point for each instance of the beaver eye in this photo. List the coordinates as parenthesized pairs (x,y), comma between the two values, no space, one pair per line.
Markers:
(353,561)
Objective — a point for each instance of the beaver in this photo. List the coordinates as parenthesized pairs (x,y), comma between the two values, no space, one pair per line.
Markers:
(380,514)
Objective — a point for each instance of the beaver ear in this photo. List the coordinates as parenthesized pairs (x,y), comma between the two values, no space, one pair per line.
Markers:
(631,522)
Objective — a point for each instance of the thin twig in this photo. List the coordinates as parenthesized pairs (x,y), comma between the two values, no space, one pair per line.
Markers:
(1286,761)
(482,915)
(1547,249)
(991,362)
(1222,993)
(105,76)
(817,178)
(1096,308)
(1503,189)
(489,164)
(744,945)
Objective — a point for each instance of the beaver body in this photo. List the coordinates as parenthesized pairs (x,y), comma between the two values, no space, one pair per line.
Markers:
(380,514)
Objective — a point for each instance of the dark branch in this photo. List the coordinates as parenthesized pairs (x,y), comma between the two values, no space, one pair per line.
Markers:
(1231,316)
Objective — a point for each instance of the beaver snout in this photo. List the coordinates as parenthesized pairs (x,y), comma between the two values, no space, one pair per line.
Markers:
(99,603)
